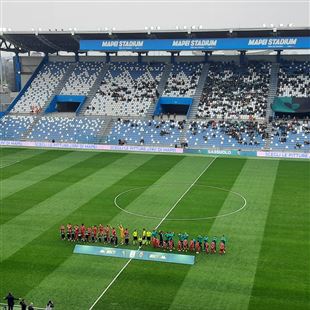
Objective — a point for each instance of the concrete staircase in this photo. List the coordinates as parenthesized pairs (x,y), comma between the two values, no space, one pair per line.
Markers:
(105,130)
(29,130)
(92,92)
(273,86)
(199,90)
(60,85)
(160,89)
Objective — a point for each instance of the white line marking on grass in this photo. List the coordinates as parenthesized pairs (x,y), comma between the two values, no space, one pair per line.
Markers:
(128,262)
(3,165)
(183,219)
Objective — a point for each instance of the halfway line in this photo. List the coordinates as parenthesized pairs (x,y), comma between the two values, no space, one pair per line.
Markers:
(161,221)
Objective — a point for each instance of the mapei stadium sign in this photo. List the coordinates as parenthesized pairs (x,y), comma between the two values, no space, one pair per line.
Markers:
(196,44)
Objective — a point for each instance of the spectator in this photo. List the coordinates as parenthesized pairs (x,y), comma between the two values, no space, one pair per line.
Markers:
(10,300)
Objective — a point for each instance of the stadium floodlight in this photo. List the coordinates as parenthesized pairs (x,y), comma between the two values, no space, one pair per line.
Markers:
(177,27)
(185,27)
(146,28)
(271,25)
(290,24)
(193,27)
(200,27)
(281,25)
(113,29)
(264,25)
(158,27)
(152,28)
(106,29)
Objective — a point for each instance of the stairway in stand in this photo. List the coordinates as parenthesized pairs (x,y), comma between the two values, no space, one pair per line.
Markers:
(199,90)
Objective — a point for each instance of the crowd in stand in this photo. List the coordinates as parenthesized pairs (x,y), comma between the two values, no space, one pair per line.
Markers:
(158,239)
(237,130)
(183,80)
(127,89)
(283,130)
(294,79)
(233,90)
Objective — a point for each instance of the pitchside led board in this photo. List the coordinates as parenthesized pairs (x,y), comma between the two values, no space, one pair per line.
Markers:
(196,44)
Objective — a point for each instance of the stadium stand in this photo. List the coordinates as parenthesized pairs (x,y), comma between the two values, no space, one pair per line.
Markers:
(82,78)
(128,89)
(183,80)
(13,126)
(294,79)
(227,134)
(290,135)
(67,129)
(151,132)
(232,91)
(41,88)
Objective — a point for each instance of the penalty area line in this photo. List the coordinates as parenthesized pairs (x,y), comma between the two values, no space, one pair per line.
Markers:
(161,221)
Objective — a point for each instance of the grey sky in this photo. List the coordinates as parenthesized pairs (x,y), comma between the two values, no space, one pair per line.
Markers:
(134,15)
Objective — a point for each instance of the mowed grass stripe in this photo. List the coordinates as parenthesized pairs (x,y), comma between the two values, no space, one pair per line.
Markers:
(82,184)
(226,281)
(283,272)
(62,161)
(159,281)
(11,159)
(7,151)
(90,269)
(27,162)
(62,172)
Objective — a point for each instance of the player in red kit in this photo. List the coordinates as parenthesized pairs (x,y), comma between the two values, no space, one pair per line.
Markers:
(76,232)
(179,245)
(101,233)
(192,246)
(207,247)
(213,247)
(185,245)
(83,232)
(222,248)
(107,234)
(171,245)
(198,247)
(95,229)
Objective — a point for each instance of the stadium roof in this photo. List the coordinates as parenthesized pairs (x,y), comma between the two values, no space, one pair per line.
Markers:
(68,41)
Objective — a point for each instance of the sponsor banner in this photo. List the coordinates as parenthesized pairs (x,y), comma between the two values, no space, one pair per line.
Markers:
(128,148)
(135,254)
(196,44)
(291,105)
(220,152)
(283,154)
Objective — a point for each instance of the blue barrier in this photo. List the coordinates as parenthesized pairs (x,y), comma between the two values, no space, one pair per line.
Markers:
(135,254)
(59,99)
(172,101)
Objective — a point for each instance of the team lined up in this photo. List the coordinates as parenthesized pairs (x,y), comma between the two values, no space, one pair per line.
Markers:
(158,239)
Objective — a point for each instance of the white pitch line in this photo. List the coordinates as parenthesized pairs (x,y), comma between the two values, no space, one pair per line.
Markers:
(8,164)
(128,262)
(188,189)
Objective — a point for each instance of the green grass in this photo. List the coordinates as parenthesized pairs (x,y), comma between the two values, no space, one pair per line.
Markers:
(266,266)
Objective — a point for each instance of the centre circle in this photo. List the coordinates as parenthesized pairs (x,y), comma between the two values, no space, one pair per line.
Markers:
(240,207)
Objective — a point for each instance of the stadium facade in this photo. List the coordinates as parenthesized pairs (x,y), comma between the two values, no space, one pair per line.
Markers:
(241,92)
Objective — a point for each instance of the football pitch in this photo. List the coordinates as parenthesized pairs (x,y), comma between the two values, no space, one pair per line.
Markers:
(261,205)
